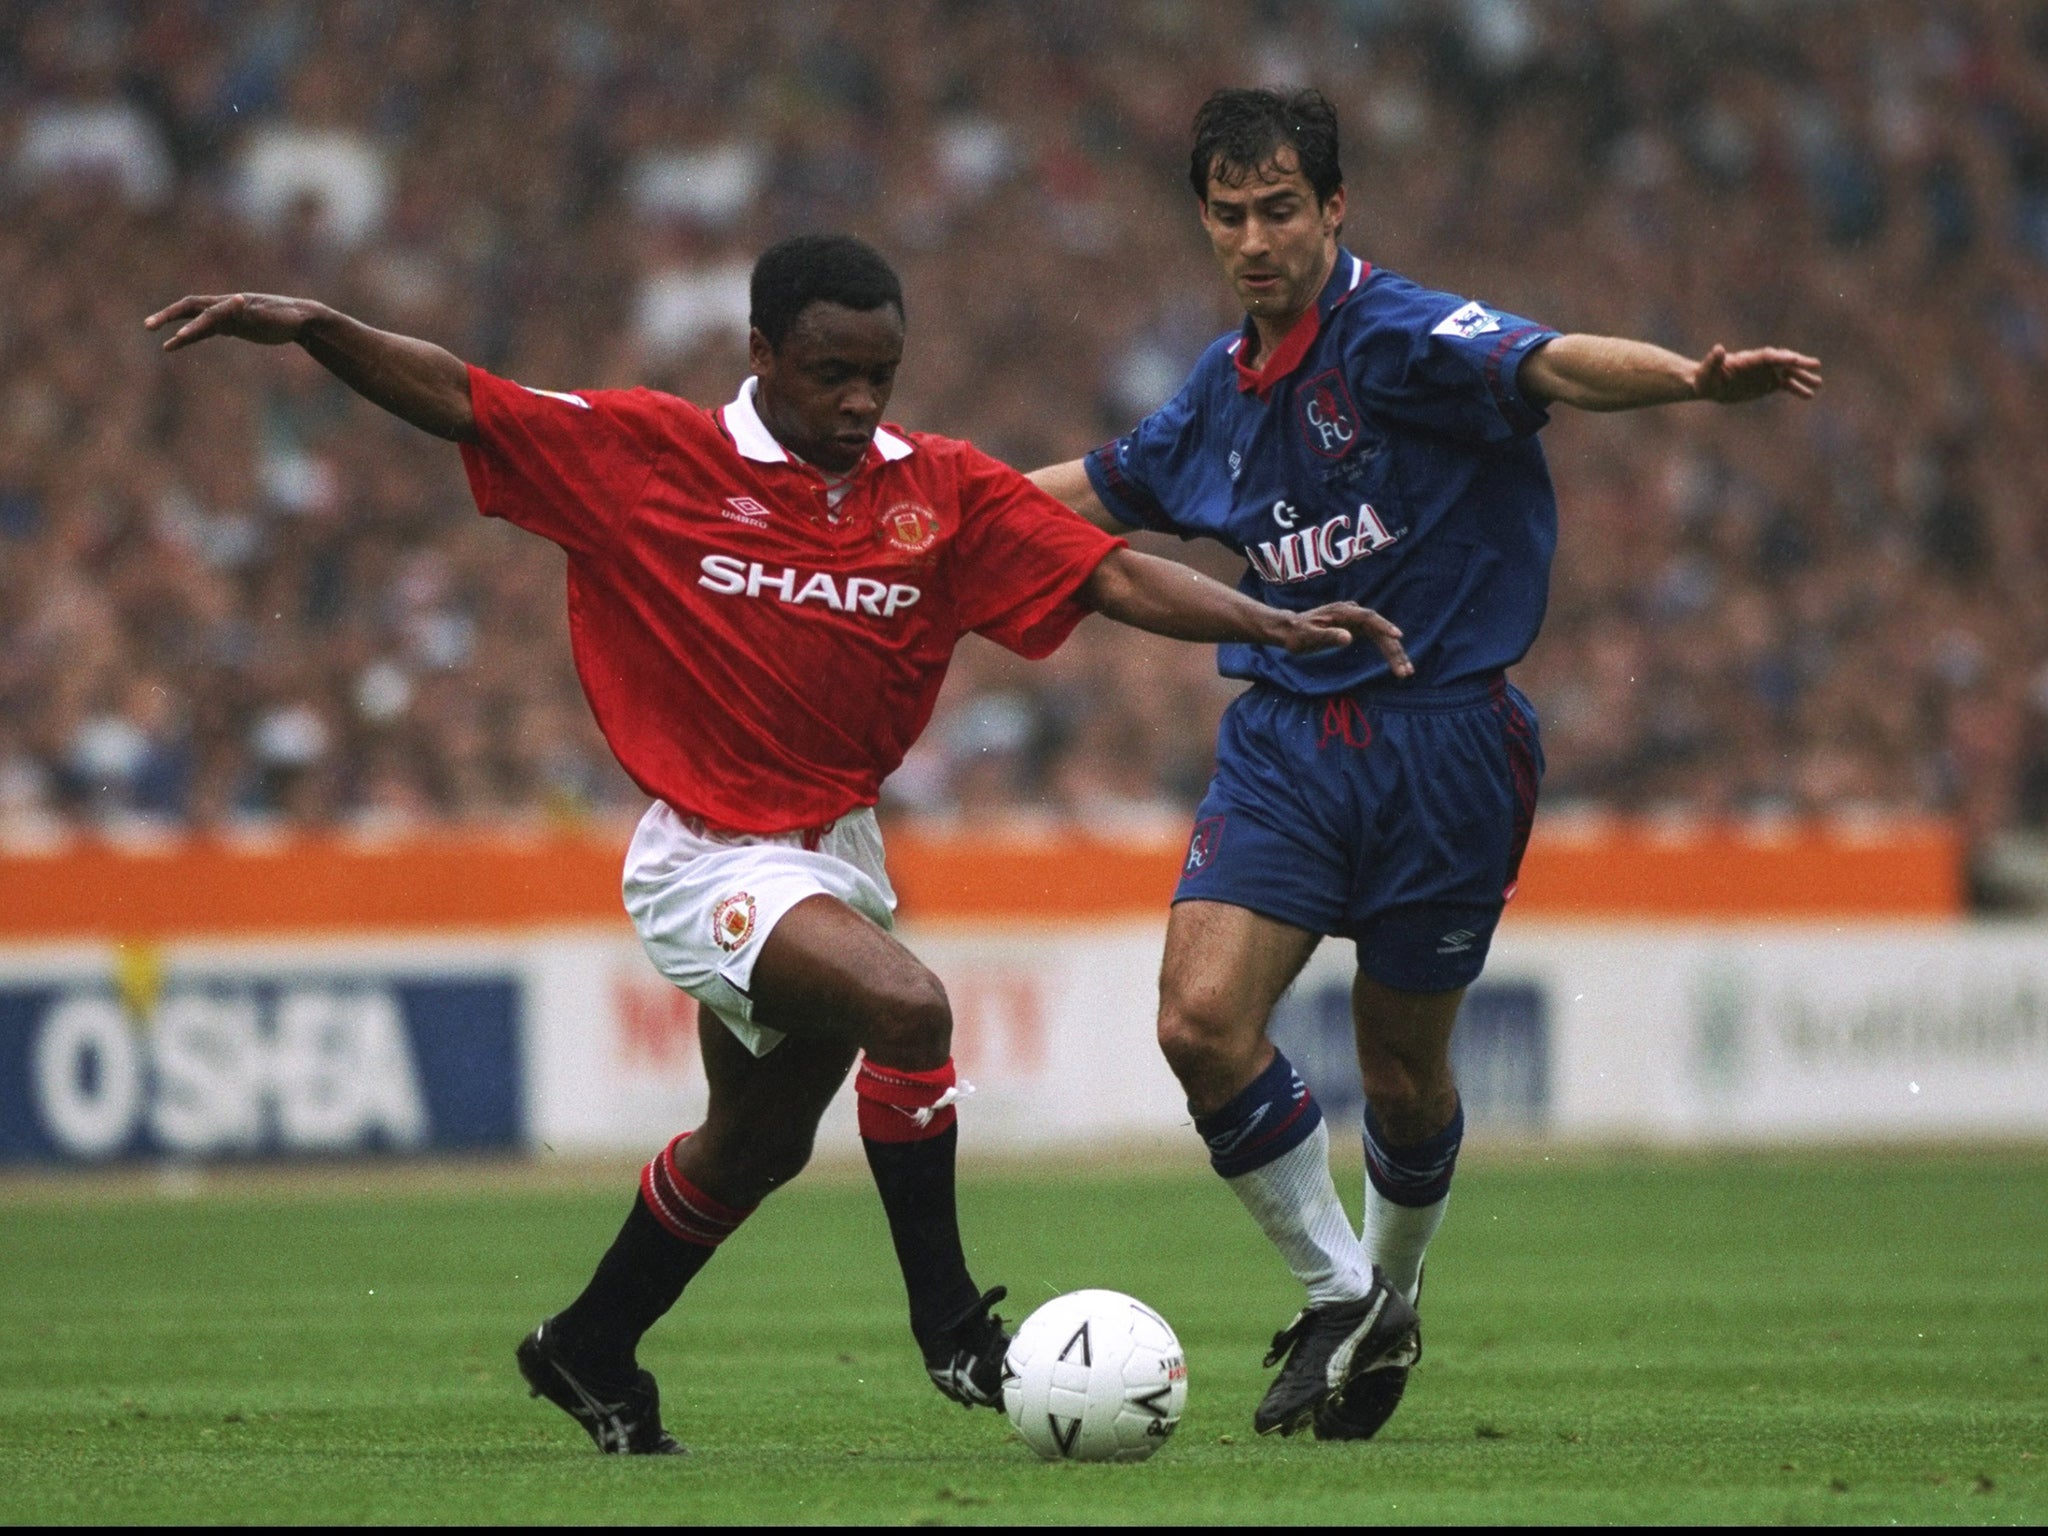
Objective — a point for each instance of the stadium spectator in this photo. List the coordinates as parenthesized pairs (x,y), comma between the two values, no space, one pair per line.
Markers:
(1834,611)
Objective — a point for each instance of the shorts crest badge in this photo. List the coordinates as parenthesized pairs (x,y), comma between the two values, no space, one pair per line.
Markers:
(1203,845)
(910,528)
(732,921)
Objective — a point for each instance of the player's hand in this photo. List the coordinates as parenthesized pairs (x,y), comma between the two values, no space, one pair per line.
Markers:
(1729,378)
(270,319)
(1338,624)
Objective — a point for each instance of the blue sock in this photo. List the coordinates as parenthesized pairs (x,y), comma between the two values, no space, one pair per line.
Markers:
(1270,1118)
(1417,1175)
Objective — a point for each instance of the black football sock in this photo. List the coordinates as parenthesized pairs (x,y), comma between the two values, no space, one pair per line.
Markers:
(672,1231)
(915,1179)
(637,1281)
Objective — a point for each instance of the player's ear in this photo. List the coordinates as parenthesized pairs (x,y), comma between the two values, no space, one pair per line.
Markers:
(1333,212)
(760,353)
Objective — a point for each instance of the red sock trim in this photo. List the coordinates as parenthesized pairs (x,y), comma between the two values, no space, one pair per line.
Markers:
(896,1105)
(901,1086)
(681,1207)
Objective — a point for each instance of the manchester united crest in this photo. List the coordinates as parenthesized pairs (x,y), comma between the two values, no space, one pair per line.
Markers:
(732,921)
(910,528)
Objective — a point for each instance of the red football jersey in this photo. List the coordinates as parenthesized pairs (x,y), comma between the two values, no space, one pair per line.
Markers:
(755,656)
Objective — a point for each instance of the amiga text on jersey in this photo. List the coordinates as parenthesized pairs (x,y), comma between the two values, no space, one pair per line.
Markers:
(1310,552)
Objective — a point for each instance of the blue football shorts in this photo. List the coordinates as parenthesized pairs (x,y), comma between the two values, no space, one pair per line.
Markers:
(1392,816)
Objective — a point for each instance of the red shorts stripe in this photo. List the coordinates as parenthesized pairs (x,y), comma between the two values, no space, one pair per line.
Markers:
(1521,753)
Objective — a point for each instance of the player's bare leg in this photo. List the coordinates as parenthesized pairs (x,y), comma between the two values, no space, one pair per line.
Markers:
(756,1136)
(1413,1127)
(1225,967)
(827,968)
(832,983)
(762,1118)
(1414,1123)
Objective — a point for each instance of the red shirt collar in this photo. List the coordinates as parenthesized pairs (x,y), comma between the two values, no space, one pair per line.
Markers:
(1346,276)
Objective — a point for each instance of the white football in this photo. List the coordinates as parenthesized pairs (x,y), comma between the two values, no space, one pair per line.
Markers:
(1095,1376)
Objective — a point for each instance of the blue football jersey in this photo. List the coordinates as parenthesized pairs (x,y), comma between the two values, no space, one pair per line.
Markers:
(1383,454)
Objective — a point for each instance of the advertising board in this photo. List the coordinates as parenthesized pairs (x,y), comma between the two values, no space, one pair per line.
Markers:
(567,1041)
(136,1051)
(1779,1033)
(1663,1033)
(1746,1033)
(1052,1027)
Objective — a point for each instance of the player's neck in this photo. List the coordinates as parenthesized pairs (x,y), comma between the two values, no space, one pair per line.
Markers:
(1272,330)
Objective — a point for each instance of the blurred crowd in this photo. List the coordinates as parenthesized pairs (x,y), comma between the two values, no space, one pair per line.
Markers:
(231,594)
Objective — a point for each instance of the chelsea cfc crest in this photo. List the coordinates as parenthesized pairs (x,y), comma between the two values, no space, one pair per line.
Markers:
(1328,419)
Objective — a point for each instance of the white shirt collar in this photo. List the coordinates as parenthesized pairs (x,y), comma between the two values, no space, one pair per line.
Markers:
(751,436)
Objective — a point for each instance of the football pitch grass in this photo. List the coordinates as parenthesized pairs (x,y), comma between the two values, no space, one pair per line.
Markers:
(1758,1338)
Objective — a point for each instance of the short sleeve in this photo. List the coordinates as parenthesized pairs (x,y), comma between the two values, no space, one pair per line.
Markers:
(1450,365)
(565,466)
(1135,475)
(1020,559)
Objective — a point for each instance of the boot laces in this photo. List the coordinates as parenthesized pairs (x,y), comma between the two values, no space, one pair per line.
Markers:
(1285,1339)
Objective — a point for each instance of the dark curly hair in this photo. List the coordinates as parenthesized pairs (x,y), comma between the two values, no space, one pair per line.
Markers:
(804,270)
(1237,133)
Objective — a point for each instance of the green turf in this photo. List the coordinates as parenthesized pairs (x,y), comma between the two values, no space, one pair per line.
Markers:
(1821,1338)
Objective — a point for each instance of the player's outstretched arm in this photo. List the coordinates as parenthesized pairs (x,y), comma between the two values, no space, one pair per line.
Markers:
(1069,483)
(414,380)
(1610,373)
(1169,599)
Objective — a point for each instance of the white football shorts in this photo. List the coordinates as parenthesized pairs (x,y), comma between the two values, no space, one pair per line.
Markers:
(704,902)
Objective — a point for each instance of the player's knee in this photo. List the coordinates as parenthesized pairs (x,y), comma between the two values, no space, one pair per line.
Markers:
(1403,1091)
(781,1160)
(761,1159)
(1199,1043)
(1387,1075)
(1389,1085)
(909,1021)
(741,1157)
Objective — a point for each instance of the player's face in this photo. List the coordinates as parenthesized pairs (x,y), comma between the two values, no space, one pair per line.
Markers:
(824,389)
(1276,243)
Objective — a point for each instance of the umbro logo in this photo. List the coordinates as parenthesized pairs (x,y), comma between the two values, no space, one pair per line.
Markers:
(1456,942)
(744,509)
(1223,1143)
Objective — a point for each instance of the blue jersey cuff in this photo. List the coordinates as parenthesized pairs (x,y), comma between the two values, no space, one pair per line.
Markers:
(1504,375)
(1128,502)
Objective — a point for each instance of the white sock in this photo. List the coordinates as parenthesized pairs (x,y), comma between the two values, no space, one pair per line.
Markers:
(1397,1235)
(1294,1201)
